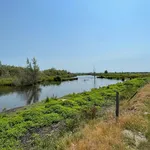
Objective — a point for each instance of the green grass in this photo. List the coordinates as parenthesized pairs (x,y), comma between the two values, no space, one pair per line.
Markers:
(123,76)
(6,81)
(42,80)
(15,125)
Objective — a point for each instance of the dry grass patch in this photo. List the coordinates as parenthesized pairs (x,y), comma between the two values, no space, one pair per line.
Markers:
(135,123)
(103,136)
(108,135)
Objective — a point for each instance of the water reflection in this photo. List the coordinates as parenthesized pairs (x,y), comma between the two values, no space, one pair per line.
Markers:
(30,94)
(52,83)
(5,90)
(95,81)
(11,97)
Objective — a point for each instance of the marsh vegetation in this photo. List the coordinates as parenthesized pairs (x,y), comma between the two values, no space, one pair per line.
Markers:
(67,111)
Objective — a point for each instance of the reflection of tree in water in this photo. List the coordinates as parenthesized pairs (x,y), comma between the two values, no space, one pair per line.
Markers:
(52,83)
(94,81)
(5,90)
(31,94)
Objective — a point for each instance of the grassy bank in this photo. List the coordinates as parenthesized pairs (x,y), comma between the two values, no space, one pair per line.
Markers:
(26,128)
(130,132)
(123,76)
(6,81)
(42,80)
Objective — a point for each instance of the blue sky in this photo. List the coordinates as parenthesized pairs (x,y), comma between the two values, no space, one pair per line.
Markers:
(76,34)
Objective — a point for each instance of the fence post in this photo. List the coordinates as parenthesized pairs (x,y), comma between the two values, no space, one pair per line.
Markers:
(117,105)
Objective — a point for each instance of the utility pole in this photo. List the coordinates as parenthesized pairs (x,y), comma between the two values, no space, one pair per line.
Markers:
(94,72)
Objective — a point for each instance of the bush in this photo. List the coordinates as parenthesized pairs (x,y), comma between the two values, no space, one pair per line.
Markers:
(105,71)
(47,100)
(57,79)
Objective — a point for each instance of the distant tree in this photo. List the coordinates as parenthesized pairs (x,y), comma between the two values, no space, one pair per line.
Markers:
(9,71)
(105,71)
(36,71)
(0,68)
(53,72)
(57,79)
(30,75)
(32,71)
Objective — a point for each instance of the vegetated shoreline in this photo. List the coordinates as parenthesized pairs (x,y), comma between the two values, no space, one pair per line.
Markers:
(131,131)
(122,76)
(10,81)
(69,111)
(9,110)
(31,74)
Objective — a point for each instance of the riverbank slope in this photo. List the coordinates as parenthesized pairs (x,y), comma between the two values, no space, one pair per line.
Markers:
(131,132)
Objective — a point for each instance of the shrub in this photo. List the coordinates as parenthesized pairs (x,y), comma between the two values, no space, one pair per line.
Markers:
(57,79)
(47,100)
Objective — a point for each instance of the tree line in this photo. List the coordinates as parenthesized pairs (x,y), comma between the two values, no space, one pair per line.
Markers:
(31,74)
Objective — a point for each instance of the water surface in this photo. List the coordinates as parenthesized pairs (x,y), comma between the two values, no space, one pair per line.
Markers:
(11,98)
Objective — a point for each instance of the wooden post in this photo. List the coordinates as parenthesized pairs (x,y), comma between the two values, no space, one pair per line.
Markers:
(117,105)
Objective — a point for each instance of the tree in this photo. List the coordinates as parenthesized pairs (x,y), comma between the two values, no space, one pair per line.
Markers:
(30,75)
(0,68)
(35,71)
(105,71)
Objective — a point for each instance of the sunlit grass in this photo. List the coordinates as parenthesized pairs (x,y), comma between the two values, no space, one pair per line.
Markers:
(108,134)
(71,110)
